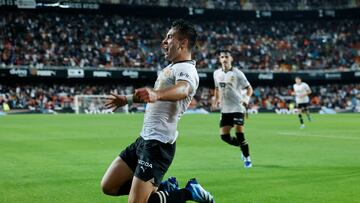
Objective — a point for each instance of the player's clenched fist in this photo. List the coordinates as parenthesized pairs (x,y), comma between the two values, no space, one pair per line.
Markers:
(146,94)
(115,101)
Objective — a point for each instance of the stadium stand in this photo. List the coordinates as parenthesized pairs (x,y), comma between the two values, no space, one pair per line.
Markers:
(244,4)
(325,51)
(83,40)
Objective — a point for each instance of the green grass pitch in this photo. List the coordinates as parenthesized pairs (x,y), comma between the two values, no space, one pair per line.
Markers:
(61,158)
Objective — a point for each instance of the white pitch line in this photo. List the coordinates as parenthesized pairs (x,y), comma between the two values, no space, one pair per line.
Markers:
(322,136)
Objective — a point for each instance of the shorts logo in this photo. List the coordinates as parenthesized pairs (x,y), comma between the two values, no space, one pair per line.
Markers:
(144,163)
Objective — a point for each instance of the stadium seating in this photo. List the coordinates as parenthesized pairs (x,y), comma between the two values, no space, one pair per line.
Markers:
(243,4)
(83,40)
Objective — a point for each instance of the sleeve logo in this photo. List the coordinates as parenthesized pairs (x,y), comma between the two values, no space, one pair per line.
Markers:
(182,74)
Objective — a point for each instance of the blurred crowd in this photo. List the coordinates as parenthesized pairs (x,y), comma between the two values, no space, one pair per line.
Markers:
(246,4)
(57,97)
(333,96)
(104,41)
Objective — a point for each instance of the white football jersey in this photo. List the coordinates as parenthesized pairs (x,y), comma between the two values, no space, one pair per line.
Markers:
(161,117)
(301,89)
(230,85)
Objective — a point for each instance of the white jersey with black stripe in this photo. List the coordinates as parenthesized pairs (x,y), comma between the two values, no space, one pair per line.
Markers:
(301,90)
(161,117)
(230,84)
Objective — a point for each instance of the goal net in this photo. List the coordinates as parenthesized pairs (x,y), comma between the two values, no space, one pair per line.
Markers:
(94,104)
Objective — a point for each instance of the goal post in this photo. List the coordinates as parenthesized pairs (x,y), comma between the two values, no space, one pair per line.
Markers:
(94,104)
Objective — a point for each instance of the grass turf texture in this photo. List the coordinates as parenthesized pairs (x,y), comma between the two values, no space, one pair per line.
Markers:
(61,158)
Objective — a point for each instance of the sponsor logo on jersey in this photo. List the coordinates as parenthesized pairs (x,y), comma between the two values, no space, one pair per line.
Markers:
(182,74)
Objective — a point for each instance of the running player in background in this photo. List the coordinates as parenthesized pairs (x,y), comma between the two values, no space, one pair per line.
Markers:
(229,82)
(301,93)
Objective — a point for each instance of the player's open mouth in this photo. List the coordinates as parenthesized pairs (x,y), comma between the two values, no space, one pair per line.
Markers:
(165,50)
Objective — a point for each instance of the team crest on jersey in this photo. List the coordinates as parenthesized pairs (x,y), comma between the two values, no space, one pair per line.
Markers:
(167,72)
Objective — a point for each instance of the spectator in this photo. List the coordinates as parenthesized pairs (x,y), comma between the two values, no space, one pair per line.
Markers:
(84,40)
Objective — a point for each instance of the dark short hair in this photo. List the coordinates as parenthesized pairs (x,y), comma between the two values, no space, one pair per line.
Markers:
(298,77)
(186,30)
(225,51)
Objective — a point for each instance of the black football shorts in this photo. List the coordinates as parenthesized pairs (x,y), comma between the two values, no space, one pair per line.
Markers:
(231,119)
(149,159)
(302,105)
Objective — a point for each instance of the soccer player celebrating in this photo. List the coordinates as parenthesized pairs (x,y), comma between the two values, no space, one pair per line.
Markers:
(139,169)
(229,82)
(301,92)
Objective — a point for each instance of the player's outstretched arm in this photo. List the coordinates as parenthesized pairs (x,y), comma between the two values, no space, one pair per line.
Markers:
(174,93)
(114,101)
